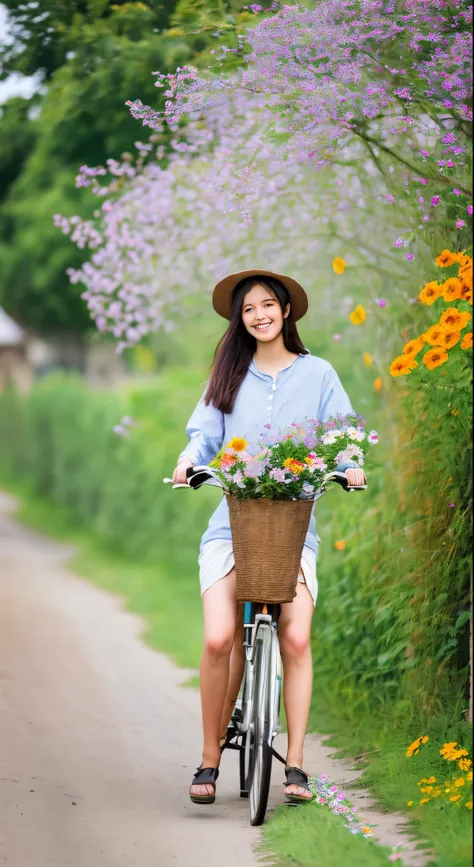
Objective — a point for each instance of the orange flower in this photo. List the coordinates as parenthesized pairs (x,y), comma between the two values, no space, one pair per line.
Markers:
(446,258)
(340,545)
(414,346)
(463,259)
(430,292)
(467,341)
(466,292)
(451,289)
(402,365)
(368,359)
(293,466)
(434,357)
(450,338)
(454,319)
(378,383)
(434,335)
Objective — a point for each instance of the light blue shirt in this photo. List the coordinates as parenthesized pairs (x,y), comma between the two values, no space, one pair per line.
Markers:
(308,388)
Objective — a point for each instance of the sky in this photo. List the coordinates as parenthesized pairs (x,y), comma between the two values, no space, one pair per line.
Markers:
(14,85)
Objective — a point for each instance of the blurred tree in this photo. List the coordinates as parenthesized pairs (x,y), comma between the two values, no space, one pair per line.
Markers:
(94,55)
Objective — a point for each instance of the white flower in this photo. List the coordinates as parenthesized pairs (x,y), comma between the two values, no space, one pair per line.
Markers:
(330,438)
(373,437)
(352,433)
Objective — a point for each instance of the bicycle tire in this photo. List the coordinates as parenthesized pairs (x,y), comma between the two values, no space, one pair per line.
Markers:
(258,741)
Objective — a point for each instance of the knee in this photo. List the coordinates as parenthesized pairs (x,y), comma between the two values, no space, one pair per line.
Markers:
(218,643)
(294,644)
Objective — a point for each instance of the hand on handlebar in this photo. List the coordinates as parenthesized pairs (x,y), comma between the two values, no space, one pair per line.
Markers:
(179,473)
(355,476)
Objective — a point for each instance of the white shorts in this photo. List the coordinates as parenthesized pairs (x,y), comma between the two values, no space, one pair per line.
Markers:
(217,559)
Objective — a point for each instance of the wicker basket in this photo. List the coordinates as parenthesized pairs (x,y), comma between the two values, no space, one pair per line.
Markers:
(268,538)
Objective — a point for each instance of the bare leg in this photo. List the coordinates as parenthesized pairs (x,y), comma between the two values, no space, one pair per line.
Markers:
(294,632)
(236,671)
(220,619)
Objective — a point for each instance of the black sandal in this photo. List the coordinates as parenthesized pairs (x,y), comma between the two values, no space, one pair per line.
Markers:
(297,777)
(204,777)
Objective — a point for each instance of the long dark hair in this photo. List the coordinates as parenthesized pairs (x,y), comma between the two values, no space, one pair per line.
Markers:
(236,348)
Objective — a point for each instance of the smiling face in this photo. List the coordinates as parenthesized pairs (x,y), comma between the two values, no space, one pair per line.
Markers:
(262,314)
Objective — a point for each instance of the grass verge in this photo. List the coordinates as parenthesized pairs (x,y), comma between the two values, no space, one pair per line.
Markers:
(308,836)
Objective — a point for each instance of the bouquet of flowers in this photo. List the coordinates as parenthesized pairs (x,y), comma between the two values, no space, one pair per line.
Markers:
(292,463)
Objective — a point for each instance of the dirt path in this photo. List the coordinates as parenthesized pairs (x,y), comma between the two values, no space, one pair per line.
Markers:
(98,741)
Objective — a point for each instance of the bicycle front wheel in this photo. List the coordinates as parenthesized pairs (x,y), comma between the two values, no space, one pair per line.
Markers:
(258,744)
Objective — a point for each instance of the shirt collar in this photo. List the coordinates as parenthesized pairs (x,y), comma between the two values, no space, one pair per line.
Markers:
(257,372)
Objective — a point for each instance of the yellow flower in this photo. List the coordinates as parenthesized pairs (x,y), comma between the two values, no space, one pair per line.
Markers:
(464,764)
(454,412)
(358,315)
(455,797)
(340,544)
(434,357)
(338,265)
(458,783)
(469,777)
(409,803)
(450,753)
(424,801)
(378,383)
(451,289)
(446,258)
(366,830)
(414,346)
(402,365)
(368,359)
(238,444)
(468,804)
(467,341)
(415,746)
(430,292)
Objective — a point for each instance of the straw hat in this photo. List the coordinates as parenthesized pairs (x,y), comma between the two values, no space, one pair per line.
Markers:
(222,295)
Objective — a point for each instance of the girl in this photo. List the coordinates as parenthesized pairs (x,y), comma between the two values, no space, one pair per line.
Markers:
(261,374)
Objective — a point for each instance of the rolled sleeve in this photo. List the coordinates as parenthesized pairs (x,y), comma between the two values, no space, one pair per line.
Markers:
(335,401)
(205,430)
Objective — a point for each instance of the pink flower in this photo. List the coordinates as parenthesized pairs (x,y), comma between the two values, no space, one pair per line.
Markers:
(410,256)
(381,302)
(435,201)
(457,192)
(336,337)
(469,209)
(460,224)
(398,242)
(423,181)
(452,505)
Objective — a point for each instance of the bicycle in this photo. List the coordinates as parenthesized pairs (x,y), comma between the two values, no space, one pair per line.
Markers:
(255,721)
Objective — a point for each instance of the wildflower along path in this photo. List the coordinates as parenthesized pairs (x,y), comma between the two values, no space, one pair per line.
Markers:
(98,741)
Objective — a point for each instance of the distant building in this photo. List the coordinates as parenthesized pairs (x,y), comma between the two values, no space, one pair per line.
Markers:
(15,365)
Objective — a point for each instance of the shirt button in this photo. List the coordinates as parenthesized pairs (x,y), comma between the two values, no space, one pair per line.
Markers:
(270,397)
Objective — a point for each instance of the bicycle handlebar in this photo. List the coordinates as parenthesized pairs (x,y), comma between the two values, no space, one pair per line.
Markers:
(202,475)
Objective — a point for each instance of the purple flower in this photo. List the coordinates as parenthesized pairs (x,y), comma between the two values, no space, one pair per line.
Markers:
(410,256)
(460,224)
(254,469)
(469,209)
(381,302)
(239,479)
(452,505)
(390,199)
(435,201)
(421,199)
(423,180)
(278,475)
(457,192)
(398,242)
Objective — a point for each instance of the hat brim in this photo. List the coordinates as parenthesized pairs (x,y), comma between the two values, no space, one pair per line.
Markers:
(222,295)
